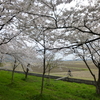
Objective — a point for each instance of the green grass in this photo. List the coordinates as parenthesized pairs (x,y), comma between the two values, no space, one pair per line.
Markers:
(30,89)
(83,69)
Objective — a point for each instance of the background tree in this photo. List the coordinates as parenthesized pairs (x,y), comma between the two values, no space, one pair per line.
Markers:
(26,70)
(13,70)
(51,63)
(21,53)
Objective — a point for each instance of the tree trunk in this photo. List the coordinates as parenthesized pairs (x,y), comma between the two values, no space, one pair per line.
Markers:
(12,79)
(14,67)
(26,73)
(98,82)
(42,85)
(44,60)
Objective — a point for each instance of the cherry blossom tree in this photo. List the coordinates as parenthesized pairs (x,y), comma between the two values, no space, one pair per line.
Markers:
(51,63)
(91,51)
(21,52)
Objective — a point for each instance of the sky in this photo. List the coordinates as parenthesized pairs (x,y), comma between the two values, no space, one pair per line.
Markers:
(75,2)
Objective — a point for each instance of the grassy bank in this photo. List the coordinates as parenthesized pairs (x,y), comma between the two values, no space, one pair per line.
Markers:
(30,89)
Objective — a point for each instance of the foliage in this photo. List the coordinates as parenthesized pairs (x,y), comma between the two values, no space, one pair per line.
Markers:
(30,89)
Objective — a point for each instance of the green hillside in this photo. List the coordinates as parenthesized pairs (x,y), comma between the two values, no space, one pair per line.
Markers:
(30,89)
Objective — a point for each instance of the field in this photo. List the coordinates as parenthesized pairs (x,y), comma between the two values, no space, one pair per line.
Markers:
(78,69)
(30,89)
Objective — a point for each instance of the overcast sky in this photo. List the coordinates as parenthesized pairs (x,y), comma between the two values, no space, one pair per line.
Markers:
(75,2)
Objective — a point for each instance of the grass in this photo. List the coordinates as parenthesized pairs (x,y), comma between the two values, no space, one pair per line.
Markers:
(30,89)
(82,69)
